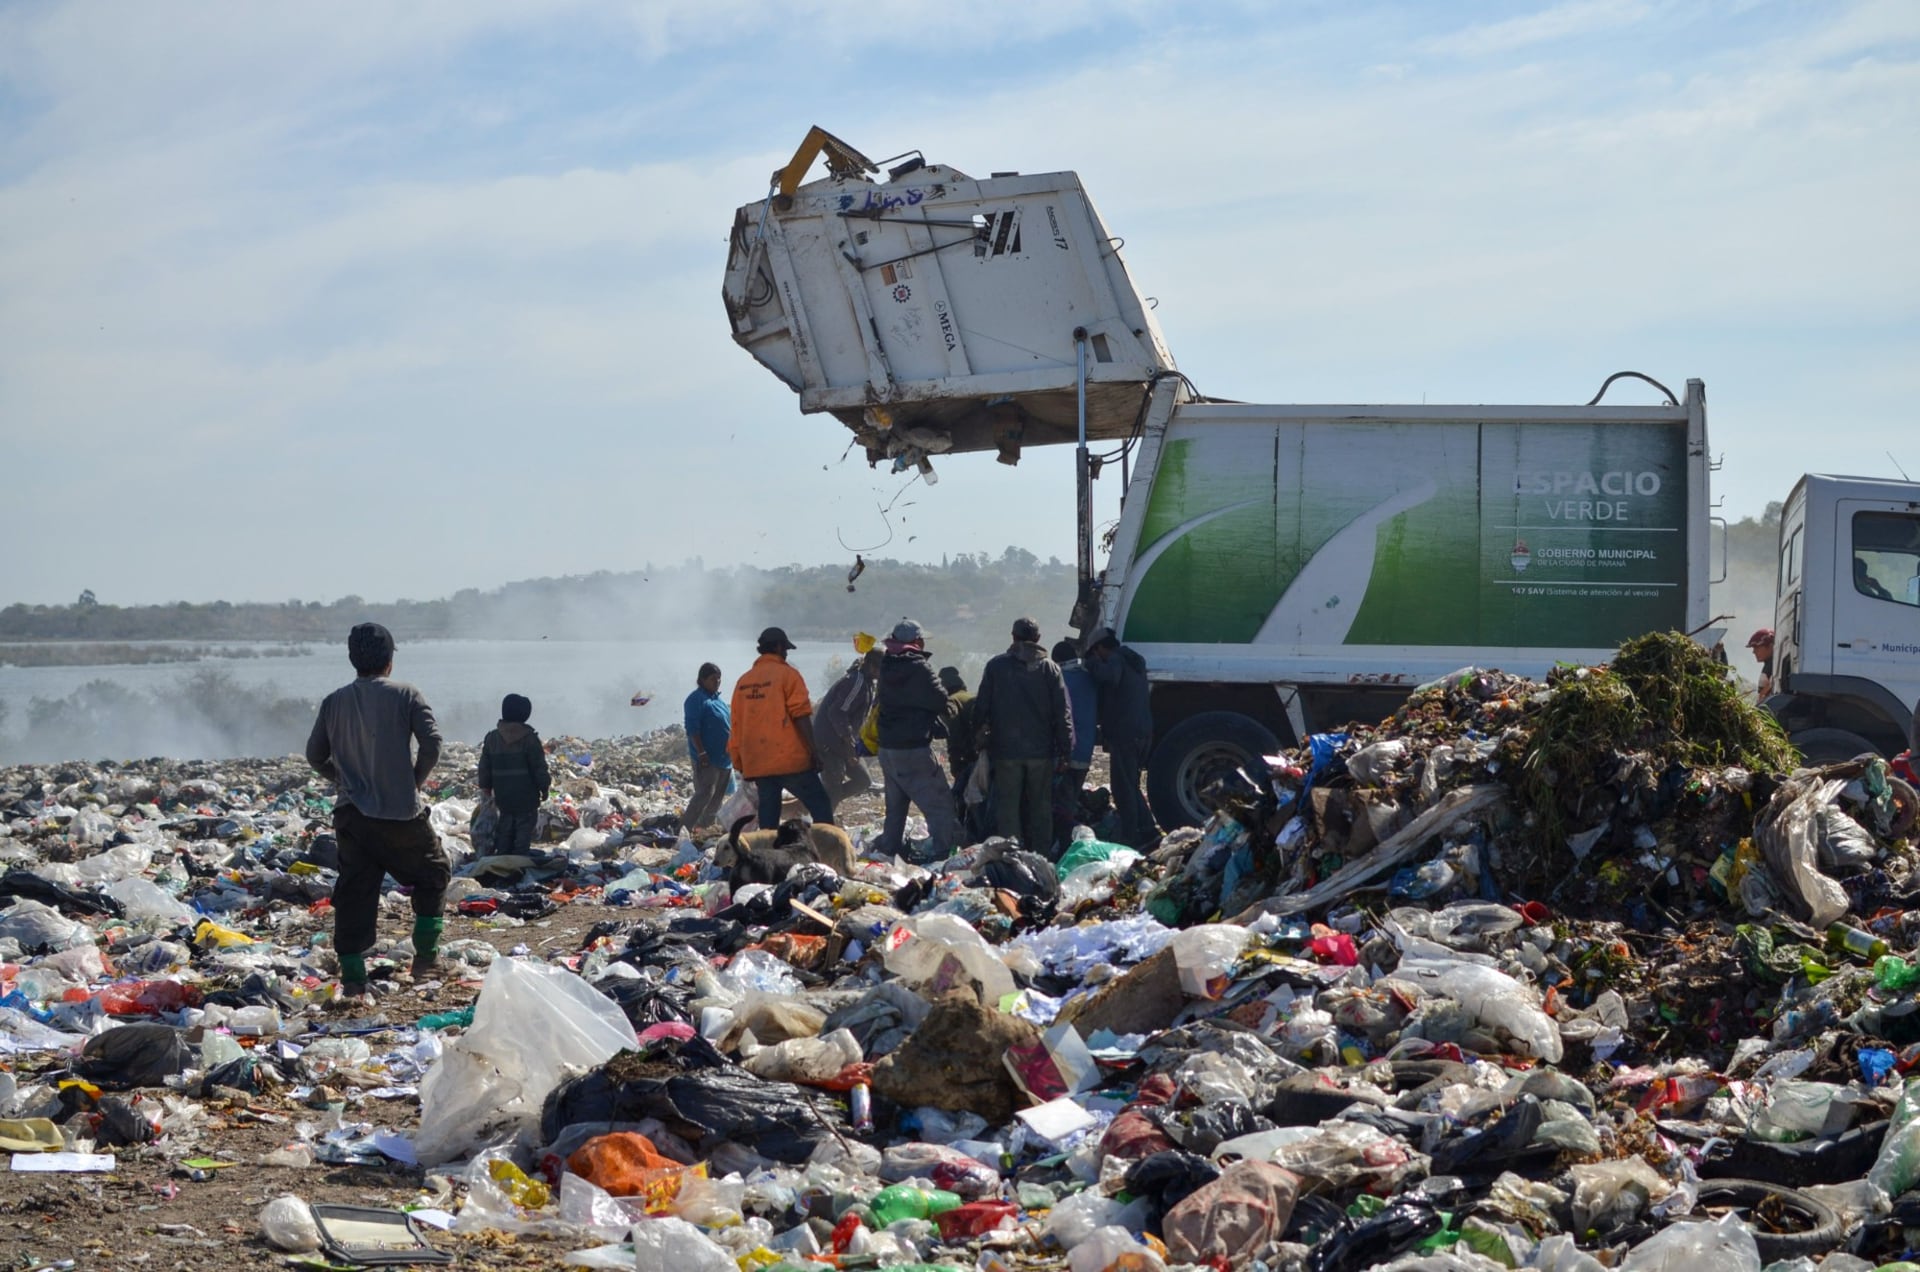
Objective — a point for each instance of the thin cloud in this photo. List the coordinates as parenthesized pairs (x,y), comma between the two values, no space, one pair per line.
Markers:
(1548,26)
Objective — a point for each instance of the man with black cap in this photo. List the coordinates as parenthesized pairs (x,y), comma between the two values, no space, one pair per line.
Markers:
(1126,729)
(913,708)
(364,743)
(1021,722)
(513,769)
(772,742)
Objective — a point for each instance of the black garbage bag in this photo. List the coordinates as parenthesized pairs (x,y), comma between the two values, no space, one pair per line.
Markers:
(646,1003)
(121,1125)
(808,883)
(129,1056)
(242,1073)
(1203,1129)
(1026,873)
(1167,1179)
(1493,1149)
(72,902)
(323,852)
(705,1107)
(1408,1221)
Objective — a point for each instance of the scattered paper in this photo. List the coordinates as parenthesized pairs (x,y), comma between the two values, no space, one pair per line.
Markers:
(398,1147)
(441,1219)
(1056,1119)
(63,1162)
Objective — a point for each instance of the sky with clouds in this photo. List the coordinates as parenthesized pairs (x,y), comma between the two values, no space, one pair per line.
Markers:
(314,299)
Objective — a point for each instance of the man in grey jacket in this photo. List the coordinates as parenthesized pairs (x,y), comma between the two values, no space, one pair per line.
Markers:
(1021,718)
(363,742)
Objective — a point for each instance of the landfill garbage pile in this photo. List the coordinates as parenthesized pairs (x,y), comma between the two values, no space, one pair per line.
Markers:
(1565,976)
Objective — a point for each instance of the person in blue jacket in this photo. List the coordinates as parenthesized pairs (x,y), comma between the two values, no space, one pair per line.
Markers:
(1083,710)
(709,728)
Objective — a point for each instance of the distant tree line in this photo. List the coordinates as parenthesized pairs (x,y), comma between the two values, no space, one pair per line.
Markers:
(967,597)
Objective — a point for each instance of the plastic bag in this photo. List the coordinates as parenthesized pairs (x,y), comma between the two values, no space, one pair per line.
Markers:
(1722,1246)
(1113,1249)
(288,1224)
(674,1245)
(1236,1216)
(744,802)
(805,1059)
(1897,1168)
(134,1056)
(1095,880)
(1788,834)
(1076,1218)
(1493,998)
(1607,1195)
(531,1023)
(939,953)
(145,900)
(1205,956)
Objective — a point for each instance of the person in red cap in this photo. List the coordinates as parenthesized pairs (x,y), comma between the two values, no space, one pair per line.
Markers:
(1761,643)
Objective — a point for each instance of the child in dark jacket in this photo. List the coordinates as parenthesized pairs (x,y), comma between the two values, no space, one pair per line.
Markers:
(513,770)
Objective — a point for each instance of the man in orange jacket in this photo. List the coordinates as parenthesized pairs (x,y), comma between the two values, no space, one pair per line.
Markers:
(772,742)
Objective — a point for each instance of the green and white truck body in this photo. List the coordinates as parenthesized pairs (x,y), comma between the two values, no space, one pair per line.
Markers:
(1283,569)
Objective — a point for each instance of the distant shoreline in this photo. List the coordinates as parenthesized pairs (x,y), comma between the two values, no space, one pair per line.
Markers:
(97,653)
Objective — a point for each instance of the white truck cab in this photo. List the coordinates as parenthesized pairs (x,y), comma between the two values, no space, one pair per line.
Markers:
(1847,617)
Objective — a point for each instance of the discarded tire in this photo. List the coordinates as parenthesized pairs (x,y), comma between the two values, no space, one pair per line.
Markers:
(1810,1227)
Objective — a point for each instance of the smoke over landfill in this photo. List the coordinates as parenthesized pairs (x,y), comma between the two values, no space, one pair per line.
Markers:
(224,679)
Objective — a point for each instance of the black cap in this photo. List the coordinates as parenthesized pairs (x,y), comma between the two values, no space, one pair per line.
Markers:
(369,648)
(516,709)
(951,680)
(774,641)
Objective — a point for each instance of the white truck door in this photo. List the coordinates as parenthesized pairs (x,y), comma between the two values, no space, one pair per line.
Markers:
(1876,594)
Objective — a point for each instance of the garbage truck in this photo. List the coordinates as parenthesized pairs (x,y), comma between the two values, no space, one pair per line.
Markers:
(1283,569)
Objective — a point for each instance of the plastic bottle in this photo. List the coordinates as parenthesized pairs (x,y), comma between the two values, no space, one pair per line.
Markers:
(1843,938)
(1895,973)
(523,1191)
(904,1201)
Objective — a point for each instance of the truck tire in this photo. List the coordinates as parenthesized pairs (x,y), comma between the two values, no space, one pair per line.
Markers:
(1196,752)
(1817,1227)
(1831,746)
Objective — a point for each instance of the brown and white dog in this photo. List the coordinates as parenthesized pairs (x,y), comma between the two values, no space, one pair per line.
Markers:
(768,856)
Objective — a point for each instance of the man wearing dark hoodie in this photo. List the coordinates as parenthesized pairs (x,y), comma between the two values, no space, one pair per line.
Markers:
(1022,724)
(913,707)
(513,769)
(1126,729)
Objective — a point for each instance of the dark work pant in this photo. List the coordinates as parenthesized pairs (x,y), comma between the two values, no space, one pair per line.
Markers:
(371,848)
(1023,802)
(1066,802)
(805,787)
(841,769)
(1129,760)
(914,777)
(513,832)
(709,792)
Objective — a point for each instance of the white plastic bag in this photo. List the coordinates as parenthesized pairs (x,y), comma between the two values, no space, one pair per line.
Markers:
(1492,997)
(289,1225)
(744,802)
(1722,1246)
(145,899)
(805,1059)
(532,1022)
(937,953)
(1107,1246)
(1205,956)
(674,1245)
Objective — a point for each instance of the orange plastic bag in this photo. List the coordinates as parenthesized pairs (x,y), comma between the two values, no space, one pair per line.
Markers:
(626,1164)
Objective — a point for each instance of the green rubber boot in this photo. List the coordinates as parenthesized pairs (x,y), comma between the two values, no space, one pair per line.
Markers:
(353,976)
(426,945)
